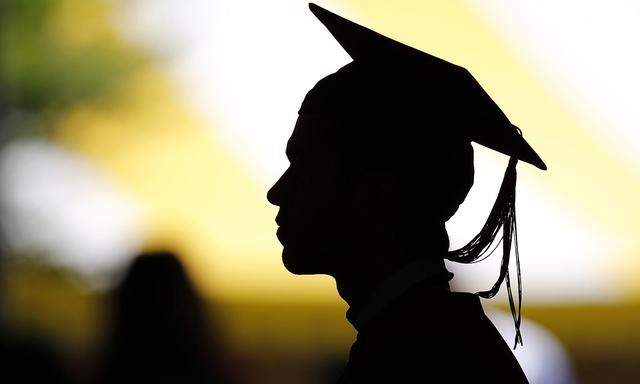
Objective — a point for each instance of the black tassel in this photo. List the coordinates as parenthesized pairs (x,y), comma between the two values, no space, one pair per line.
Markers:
(502,217)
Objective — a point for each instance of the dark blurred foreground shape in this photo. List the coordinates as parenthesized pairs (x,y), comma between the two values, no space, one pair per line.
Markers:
(160,332)
(29,361)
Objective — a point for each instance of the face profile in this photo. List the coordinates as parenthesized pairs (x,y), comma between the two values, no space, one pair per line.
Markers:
(308,194)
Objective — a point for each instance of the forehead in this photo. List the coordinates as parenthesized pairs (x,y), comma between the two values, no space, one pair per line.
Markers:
(313,133)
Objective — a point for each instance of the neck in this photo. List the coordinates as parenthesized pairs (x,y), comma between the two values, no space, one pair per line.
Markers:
(373,264)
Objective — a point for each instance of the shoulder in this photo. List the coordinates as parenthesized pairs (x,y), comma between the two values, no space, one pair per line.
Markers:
(446,338)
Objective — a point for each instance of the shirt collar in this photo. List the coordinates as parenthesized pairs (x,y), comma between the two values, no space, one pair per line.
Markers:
(394,286)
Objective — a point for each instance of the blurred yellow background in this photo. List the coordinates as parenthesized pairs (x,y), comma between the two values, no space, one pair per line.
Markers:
(132,125)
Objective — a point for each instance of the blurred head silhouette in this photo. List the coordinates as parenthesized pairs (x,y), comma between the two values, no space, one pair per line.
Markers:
(160,332)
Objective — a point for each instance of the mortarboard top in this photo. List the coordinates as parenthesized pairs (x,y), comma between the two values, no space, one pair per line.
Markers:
(482,121)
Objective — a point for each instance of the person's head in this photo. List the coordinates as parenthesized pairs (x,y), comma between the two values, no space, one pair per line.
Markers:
(160,331)
(382,154)
(368,164)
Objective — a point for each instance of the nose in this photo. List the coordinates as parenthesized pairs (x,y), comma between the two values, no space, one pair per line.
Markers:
(274,195)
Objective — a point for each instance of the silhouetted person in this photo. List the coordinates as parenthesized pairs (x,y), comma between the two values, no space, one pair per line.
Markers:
(160,332)
(381,158)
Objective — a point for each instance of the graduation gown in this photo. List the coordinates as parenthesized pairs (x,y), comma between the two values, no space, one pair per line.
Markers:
(412,333)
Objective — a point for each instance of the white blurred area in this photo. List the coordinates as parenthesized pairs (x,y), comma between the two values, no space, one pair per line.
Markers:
(564,258)
(587,51)
(245,64)
(56,206)
(541,356)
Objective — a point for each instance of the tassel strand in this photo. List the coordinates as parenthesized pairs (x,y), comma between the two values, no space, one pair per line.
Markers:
(502,217)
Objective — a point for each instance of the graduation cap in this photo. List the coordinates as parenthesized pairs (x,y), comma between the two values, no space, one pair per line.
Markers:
(365,45)
(427,85)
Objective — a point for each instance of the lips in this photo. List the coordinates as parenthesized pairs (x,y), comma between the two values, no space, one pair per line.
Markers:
(279,221)
(280,233)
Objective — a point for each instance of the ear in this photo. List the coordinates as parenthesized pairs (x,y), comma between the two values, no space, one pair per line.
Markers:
(375,196)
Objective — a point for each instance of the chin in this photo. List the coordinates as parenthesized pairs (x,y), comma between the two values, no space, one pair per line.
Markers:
(300,262)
